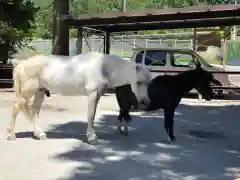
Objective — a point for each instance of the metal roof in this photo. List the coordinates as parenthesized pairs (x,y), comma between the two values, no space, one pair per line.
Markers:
(162,49)
(167,18)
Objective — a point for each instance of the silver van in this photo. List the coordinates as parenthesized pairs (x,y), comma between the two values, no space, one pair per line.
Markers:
(176,59)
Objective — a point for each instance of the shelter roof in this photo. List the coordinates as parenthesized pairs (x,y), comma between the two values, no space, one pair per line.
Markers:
(167,18)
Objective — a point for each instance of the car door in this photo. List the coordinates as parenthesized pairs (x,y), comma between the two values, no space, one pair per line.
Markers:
(155,60)
(181,61)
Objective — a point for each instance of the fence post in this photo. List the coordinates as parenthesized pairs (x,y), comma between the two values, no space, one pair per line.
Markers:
(122,45)
(134,43)
(225,53)
(92,43)
(199,97)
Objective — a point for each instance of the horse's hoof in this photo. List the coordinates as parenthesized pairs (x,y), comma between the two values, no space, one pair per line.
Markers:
(11,137)
(92,139)
(125,133)
(41,136)
(172,138)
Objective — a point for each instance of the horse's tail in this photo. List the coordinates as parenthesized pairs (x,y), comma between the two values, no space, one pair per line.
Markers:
(14,62)
(17,80)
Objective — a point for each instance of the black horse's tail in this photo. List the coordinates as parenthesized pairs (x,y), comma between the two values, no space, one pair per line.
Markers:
(46,91)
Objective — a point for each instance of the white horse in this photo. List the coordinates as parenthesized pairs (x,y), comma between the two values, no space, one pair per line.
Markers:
(86,74)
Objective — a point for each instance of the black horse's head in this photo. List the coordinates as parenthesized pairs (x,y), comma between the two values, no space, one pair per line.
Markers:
(203,83)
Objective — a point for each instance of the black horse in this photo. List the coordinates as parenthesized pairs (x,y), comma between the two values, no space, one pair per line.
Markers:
(166,92)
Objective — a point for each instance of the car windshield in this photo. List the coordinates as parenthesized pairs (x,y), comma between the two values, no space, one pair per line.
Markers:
(195,56)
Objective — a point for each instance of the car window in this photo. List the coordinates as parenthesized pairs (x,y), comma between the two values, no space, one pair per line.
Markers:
(139,57)
(155,58)
(181,59)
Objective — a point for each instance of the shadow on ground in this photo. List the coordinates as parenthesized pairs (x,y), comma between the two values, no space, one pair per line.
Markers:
(207,146)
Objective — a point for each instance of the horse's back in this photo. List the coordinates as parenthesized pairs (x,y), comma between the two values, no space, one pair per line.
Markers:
(74,75)
(115,70)
(32,66)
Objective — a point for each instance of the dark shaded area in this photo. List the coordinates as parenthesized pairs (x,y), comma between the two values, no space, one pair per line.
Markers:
(6,76)
(207,146)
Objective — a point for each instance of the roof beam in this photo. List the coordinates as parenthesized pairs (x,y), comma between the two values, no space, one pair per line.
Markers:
(191,12)
(171,24)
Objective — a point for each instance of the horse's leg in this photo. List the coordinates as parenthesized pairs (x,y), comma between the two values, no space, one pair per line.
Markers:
(36,106)
(93,99)
(127,119)
(169,122)
(120,117)
(20,105)
(11,129)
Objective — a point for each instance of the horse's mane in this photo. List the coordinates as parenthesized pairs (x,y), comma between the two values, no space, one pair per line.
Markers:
(176,80)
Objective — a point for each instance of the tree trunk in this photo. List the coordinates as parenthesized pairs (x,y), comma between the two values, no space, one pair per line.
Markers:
(60,29)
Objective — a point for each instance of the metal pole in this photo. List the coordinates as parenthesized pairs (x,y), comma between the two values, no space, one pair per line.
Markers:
(124,5)
(234,31)
(124,9)
(194,38)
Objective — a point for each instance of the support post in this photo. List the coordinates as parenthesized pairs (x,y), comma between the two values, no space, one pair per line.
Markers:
(225,53)
(61,30)
(79,40)
(194,38)
(107,43)
(194,49)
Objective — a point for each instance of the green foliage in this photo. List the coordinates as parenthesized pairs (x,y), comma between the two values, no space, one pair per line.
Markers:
(16,32)
(16,26)
(80,7)
(233,49)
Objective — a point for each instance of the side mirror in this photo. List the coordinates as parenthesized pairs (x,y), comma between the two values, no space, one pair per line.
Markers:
(192,65)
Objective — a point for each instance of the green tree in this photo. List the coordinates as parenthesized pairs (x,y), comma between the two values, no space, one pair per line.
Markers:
(16,29)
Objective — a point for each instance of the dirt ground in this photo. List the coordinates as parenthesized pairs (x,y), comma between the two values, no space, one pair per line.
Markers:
(207,146)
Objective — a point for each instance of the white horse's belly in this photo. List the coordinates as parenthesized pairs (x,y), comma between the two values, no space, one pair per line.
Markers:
(58,79)
(66,91)
(66,88)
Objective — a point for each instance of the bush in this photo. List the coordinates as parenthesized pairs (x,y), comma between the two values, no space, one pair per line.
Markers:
(16,29)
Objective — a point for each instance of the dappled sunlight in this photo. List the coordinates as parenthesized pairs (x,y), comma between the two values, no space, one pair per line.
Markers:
(163,145)
(233,172)
(207,146)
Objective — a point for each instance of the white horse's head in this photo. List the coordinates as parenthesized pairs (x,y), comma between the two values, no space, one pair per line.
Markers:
(140,85)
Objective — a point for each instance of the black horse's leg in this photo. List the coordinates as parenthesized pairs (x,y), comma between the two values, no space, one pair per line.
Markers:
(169,122)
(124,119)
(120,118)
(126,99)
